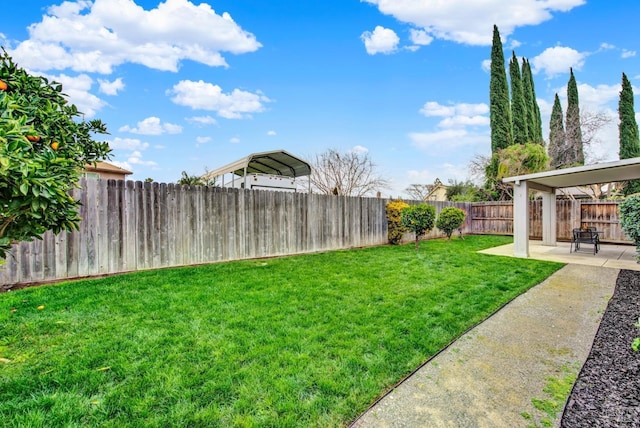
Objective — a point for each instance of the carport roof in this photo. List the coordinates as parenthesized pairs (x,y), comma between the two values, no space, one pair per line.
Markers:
(276,162)
(606,172)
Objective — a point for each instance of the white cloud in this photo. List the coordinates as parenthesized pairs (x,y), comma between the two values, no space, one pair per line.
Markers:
(486,65)
(111,87)
(96,36)
(207,96)
(448,140)
(461,121)
(127,144)
(135,158)
(202,140)
(558,60)
(271,133)
(471,109)
(466,21)
(597,97)
(234,140)
(125,165)
(420,37)
(433,108)
(202,120)
(513,44)
(359,149)
(628,54)
(458,115)
(381,40)
(77,88)
(152,126)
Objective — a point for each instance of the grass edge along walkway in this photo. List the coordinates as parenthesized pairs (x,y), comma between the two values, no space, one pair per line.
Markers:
(306,340)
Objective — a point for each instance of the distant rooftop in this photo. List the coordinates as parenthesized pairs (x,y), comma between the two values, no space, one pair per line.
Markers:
(106,167)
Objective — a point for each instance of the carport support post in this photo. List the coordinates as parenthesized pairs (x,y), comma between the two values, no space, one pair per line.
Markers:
(549,218)
(521,219)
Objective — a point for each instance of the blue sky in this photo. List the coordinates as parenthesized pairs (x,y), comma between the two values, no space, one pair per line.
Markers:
(189,86)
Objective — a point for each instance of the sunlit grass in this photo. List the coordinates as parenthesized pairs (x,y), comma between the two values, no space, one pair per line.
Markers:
(298,341)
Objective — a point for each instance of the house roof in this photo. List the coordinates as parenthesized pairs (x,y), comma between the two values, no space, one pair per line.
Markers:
(606,172)
(277,162)
(106,167)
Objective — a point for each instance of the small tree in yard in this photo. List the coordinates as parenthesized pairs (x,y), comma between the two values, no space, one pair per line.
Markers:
(450,219)
(419,219)
(43,150)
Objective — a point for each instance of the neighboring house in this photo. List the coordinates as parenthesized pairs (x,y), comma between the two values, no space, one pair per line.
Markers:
(437,191)
(106,171)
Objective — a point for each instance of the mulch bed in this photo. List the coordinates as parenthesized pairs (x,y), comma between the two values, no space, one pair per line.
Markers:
(607,391)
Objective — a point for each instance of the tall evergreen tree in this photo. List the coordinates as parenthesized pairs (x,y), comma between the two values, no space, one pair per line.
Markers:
(557,141)
(500,110)
(628,128)
(534,120)
(518,110)
(573,130)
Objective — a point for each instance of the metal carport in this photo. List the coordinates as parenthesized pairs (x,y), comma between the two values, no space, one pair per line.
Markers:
(547,182)
(276,162)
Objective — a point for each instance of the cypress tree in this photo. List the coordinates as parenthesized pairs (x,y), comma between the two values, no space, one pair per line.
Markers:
(500,110)
(534,120)
(628,128)
(518,110)
(572,130)
(557,142)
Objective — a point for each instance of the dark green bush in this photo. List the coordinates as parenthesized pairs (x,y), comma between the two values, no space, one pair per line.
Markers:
(450,219)
(629,210)
(419,219)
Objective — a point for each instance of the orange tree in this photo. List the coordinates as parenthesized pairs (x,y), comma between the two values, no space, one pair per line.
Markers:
(44,146)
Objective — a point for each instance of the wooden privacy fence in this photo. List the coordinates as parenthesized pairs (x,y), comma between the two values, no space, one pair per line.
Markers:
(497,218)
(130,226)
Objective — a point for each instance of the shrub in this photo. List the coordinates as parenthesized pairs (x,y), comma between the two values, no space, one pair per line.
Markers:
(629,210)
(419,219)
(450,219)
(395,229)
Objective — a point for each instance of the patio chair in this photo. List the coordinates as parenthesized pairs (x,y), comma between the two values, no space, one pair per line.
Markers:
(585,237)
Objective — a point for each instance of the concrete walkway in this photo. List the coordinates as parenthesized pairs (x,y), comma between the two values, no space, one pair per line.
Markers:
(488,377)
(617,256)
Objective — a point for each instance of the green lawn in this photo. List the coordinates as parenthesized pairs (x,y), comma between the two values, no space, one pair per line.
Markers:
(308,340)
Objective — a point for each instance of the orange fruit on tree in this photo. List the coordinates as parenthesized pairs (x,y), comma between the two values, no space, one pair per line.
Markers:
(33,138)
(55,145)
(3,85)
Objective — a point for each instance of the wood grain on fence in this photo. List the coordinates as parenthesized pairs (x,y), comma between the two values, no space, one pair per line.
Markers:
(130,226)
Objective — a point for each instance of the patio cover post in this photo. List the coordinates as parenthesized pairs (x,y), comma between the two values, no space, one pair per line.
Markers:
(549,218)
(521,219)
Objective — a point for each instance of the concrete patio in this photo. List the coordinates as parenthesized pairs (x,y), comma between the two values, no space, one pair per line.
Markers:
(617,256)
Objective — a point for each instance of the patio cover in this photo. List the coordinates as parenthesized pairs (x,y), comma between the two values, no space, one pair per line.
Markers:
(277,162)
(547,182)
